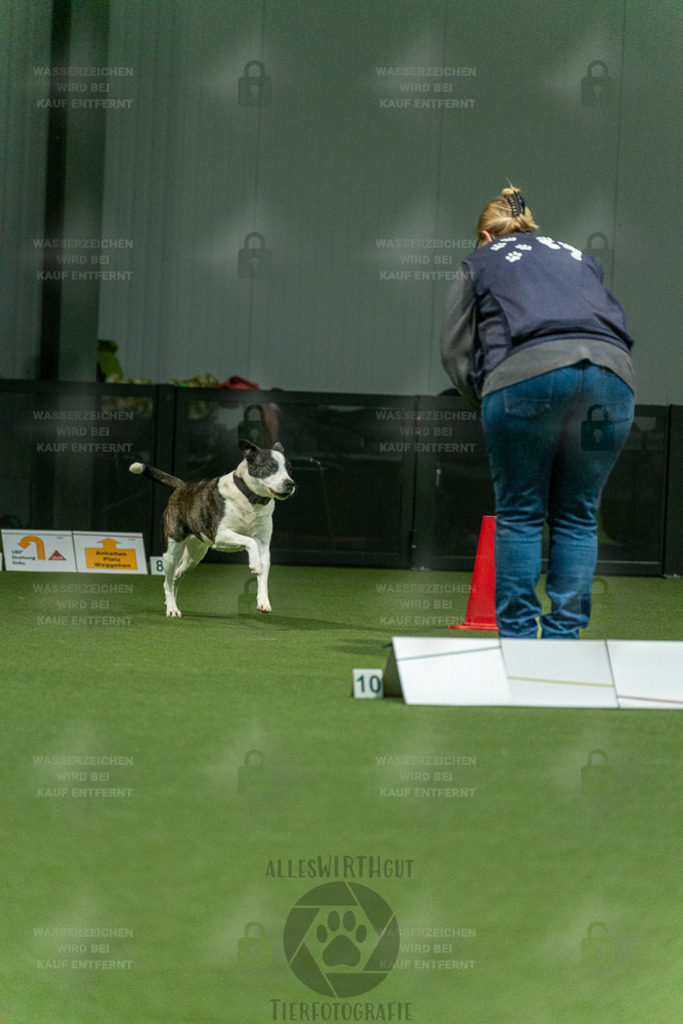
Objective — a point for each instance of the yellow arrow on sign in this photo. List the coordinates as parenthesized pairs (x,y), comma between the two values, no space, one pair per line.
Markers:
(110,556)
(25,541)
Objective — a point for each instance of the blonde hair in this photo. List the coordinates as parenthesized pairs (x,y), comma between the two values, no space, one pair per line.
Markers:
(498,219)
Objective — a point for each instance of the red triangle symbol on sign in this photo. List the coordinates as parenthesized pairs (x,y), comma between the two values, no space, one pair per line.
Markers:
(56,557)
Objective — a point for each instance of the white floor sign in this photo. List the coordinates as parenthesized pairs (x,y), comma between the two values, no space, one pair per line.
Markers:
(110,552)
(78,551)
(38,551)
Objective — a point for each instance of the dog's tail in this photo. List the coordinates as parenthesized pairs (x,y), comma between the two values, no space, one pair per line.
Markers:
(156,474)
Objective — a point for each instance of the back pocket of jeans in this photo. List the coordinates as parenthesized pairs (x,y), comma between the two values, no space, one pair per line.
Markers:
(615,412)
(529,398)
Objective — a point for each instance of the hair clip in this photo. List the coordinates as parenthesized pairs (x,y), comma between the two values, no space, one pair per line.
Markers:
(516,203)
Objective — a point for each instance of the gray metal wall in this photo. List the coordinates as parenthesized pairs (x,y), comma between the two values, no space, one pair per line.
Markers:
(342,160)
(25,38)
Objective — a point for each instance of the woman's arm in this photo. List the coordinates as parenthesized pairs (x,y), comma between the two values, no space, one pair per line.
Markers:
(459,335)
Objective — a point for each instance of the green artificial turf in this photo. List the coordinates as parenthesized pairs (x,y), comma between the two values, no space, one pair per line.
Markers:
(513,862)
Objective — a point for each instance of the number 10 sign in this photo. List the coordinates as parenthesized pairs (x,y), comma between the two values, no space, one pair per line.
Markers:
(368,682)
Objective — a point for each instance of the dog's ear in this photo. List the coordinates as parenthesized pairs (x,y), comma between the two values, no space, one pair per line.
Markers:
(248,448)
(277,447)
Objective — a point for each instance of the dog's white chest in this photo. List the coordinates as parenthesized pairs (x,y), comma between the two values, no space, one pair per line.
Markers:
(241,517)
(238,519)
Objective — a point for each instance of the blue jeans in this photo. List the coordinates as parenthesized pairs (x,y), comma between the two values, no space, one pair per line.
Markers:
(548,465)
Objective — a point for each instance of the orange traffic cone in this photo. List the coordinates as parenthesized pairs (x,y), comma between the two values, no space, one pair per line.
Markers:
(481,607)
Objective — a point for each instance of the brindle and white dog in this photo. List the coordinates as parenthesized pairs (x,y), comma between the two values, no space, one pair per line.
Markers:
(228,513)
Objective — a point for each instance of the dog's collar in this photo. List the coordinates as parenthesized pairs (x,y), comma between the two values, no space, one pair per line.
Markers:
(251,496)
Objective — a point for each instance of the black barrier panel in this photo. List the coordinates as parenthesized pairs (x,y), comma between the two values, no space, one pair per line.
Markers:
(454,487)
(673,559)
(385,481)
(454,491)
(351,460)
(64,456)
(631,519)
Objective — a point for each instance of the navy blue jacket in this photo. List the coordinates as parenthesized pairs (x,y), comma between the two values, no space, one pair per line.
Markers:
(517,292)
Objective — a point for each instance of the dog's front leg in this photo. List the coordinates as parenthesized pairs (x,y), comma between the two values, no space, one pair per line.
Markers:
(228,540)
(262,602)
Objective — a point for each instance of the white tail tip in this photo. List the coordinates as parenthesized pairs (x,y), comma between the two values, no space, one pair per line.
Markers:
(136,467)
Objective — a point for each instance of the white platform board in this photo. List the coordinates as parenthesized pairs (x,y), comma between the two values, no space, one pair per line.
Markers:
(435,671)
(559,673)
(647,673)
(456,671)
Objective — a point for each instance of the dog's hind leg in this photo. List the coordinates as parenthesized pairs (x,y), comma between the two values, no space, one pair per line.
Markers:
(192,556)
(182,556)
(173,558)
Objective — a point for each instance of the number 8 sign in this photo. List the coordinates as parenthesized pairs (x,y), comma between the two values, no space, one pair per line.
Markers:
(368,682)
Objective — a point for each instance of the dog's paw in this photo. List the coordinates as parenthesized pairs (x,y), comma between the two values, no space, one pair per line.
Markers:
(174,613)
(263,606)
(255,566)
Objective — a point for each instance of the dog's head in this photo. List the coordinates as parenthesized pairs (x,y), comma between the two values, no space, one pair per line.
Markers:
(269,470)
